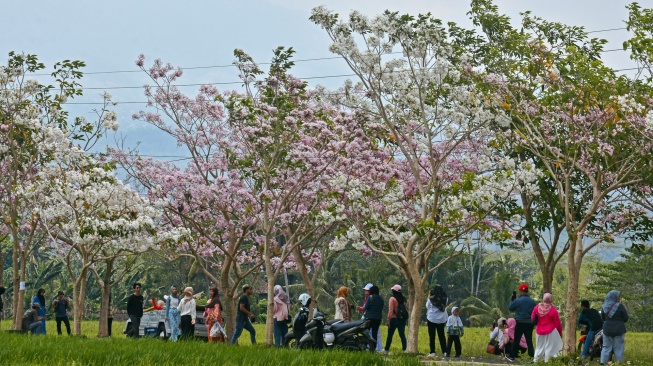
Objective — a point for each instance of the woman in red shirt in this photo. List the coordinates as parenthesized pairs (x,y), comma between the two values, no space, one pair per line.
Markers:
(548,329)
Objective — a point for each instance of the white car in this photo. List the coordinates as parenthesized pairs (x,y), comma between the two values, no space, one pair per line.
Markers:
(153,324)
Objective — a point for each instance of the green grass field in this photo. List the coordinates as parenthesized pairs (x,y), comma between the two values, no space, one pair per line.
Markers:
(21,349)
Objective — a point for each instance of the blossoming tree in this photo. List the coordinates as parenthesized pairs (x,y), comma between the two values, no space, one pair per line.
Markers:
(31,115)
(275,147)
(585,126)
(443,186)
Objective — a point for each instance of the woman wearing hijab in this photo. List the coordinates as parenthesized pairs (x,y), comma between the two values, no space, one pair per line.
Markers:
(508,338)
(39,298)
(213,314)
(343,307)
(281,314)
(172,314)
(548,330)
(614,328)
(187,313)
(436,318)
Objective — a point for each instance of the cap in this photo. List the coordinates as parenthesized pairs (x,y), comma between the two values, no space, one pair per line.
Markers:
(368,287)
(60,293)
(246,286)
(396,288)
(523,287)
(36,305)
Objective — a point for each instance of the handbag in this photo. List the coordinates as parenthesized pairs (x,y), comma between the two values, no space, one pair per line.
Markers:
(491,347)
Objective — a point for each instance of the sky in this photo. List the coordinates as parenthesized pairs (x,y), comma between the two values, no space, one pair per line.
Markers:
(109,36)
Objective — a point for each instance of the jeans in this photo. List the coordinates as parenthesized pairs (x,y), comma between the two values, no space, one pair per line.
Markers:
(280,331)
(375,332)
(399,325)
(247,325)
(66,322)
(136,325)
(440,329)
(525,329)
(612,344)
(589,338)
(36,327)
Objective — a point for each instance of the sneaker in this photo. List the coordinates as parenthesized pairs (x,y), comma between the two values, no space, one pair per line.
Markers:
(383,352)
(510,358)
(431,354)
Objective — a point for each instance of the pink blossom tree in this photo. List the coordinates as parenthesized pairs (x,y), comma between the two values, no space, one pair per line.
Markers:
(443,186)
(275,146)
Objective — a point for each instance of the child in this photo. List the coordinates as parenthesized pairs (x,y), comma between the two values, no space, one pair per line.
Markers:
(455,330)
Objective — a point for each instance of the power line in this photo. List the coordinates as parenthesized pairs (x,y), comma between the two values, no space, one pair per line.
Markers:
(300,60)
(315,77)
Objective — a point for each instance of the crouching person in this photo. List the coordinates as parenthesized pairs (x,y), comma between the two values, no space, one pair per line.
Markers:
(32,321)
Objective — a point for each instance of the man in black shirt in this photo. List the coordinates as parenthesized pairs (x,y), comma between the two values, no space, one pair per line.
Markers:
(135,310)
(61,304)
(592,319)
(243,316)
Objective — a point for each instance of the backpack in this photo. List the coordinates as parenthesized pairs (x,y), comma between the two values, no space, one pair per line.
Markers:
(402,311)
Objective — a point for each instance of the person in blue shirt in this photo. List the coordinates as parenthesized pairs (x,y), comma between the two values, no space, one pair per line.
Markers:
(61,304)
(523,307)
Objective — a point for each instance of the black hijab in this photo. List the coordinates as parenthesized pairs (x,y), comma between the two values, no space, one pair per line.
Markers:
(438,297)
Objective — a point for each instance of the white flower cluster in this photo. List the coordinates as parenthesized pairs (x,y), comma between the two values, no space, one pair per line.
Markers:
(110,120)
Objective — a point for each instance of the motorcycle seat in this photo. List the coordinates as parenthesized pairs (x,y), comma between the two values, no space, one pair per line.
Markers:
(340,327)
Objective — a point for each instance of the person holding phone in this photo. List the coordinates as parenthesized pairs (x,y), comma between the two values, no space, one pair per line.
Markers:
(523,307)
(61,305)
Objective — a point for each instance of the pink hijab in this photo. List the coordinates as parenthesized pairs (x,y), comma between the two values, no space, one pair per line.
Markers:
(545,306)
(510,332)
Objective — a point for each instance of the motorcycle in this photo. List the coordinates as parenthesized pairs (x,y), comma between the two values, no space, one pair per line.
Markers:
(322,333)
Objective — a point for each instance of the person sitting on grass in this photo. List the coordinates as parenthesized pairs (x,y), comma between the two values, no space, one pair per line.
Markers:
(32,321)
(509,338)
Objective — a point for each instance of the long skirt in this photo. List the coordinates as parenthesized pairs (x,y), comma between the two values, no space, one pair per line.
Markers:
(174,320)
(547,346)
(209,324)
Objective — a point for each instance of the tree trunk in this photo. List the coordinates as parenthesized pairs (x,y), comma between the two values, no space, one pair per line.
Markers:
(547,279)
(79,295)
(571,312)
(269,320)
(20,299)
(415,302)
(105,290)
(16,303)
